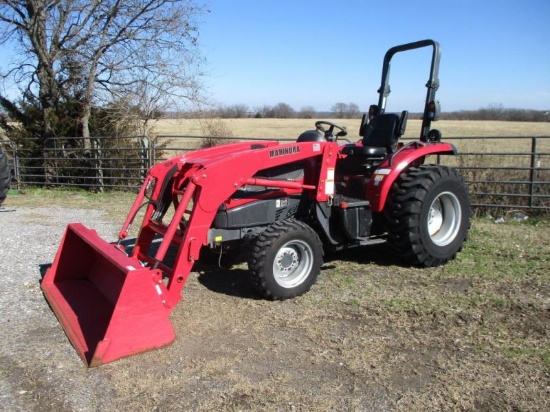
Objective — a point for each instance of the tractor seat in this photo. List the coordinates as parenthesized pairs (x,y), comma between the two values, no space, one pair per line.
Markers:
(380,139)
(384,130)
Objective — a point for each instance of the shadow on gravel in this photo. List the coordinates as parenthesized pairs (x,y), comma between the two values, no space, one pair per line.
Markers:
(43,267)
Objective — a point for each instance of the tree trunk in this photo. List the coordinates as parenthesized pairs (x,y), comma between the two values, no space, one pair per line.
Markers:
(92,147)
(45,96)
(85,124)
(47,92)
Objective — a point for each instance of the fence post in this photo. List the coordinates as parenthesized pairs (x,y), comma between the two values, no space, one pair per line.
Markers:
(532,173)
(154,150)
(96,146)
(145,156)
(16,165)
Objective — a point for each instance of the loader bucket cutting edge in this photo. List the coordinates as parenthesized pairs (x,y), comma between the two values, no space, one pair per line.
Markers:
(108,304)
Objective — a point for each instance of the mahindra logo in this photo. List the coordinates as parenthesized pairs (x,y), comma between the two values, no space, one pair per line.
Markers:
(284,151)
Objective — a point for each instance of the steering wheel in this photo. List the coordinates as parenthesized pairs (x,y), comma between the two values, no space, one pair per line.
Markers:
(329,133)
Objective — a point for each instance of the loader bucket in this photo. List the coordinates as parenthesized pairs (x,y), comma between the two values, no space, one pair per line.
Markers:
(108,304)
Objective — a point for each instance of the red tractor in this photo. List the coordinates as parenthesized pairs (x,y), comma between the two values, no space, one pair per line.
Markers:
(286,202)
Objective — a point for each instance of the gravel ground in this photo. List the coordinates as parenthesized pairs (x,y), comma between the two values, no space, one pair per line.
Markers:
(29,331)
(233,351)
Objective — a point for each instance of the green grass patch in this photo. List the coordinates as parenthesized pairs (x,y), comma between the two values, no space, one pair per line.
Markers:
(498,252)
(538,354)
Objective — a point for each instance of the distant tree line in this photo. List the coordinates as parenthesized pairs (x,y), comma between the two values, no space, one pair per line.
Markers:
(352,111)
(498,112)
(285,111)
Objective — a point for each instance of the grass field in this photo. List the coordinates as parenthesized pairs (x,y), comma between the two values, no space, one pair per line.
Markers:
(291,128)
(473,335)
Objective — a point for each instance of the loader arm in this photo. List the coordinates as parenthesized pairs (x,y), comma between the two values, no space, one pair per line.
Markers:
(205,182)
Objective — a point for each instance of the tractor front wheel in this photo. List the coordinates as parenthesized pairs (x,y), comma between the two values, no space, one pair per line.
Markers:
(286,259)
(428,215)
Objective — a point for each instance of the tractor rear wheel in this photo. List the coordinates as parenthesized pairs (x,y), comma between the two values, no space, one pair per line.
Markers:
(286,259)
(4,176)
(428,215)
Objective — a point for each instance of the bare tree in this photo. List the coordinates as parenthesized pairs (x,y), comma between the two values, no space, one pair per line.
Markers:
(139,109)
(263,111)
(339,110)
(282,111)
(102,50)
(493,111)
(307,112)
(353,111)
(235,111)
(25,22)
(345,111)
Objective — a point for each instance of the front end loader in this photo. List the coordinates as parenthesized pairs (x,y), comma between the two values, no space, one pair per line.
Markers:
(285,203)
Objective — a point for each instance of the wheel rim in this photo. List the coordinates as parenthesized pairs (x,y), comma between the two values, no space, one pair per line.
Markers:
(444,218)
(292,264)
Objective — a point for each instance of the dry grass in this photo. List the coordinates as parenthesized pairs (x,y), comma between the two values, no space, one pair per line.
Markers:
(291,128)
(370,335)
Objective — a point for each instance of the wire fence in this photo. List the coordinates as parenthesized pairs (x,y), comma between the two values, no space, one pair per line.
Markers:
(501,172)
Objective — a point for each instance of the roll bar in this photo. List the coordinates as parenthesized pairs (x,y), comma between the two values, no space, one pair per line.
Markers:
(431,108)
